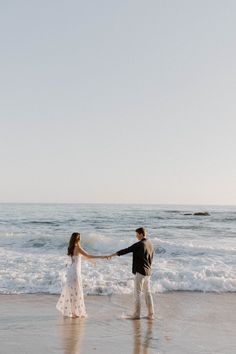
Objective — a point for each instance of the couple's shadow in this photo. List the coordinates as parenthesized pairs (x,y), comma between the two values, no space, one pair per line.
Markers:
(142,336)
(71,332)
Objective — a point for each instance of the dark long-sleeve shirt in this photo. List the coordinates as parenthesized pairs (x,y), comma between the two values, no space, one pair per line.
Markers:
(142,256)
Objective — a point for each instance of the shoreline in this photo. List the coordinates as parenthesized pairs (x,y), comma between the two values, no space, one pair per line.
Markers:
(186,322)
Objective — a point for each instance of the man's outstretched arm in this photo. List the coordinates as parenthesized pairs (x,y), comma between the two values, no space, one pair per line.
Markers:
(125,250)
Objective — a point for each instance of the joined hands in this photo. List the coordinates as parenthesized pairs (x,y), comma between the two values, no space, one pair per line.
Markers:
(109,257)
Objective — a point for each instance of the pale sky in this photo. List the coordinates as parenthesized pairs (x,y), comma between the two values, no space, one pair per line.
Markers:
(118,101)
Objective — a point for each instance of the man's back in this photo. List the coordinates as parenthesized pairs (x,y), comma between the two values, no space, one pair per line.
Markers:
(142,256)
(143,252)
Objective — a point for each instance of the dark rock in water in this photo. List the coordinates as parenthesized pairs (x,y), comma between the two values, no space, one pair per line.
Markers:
(188,214)
(160,250)
(202,213)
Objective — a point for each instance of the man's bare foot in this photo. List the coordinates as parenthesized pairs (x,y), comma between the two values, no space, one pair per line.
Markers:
(151,317)
(134,317)
(130,317)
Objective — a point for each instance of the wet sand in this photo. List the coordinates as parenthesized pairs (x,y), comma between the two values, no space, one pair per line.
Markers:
(186,323)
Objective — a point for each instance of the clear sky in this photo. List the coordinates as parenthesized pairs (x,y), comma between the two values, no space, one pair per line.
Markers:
(118,101)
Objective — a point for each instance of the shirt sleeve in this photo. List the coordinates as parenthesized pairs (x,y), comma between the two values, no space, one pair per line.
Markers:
(127,250)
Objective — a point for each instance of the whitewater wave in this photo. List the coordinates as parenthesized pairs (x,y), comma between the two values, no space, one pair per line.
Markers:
(45,273)
(191,254)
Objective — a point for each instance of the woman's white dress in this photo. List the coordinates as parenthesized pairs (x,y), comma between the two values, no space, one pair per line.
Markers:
(71,301)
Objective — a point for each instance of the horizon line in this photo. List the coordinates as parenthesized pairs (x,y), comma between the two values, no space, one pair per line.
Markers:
(121,203)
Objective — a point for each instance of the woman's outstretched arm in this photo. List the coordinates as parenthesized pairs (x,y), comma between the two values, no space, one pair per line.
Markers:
(89,256)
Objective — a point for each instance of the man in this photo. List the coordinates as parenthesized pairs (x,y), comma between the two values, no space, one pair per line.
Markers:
(142,260)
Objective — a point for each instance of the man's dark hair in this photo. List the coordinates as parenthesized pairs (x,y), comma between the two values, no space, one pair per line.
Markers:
(141,231)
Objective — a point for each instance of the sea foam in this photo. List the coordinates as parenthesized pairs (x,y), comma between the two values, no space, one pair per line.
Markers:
(191,253)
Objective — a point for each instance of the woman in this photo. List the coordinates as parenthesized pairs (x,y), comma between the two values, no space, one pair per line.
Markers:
(71,301)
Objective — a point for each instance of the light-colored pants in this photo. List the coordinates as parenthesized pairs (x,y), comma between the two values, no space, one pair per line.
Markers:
(142,284)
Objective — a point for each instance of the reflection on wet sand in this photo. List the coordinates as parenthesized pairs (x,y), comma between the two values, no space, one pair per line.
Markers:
(142,346)
(71,333)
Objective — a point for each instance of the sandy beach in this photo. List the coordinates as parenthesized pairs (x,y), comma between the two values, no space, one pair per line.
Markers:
(185,323)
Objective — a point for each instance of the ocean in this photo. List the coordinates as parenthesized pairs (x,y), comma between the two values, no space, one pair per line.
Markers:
(192,253)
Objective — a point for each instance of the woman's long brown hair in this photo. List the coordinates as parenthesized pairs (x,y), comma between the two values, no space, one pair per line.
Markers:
(74,237)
